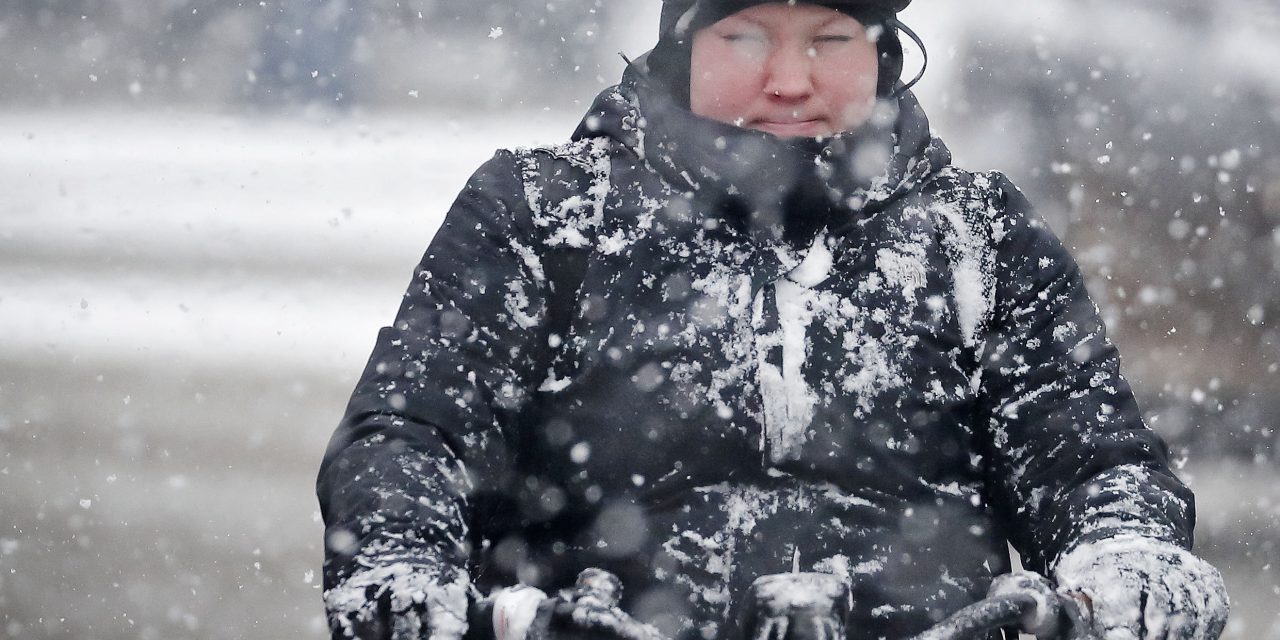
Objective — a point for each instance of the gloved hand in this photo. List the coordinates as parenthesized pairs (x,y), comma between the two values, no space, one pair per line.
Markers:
(1044,620)
(1022,599)
(388,617)
(398,602)
(1144,589)
(513,611)
(795,606)
(587,612)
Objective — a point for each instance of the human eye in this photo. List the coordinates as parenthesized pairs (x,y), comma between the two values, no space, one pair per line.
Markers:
(742,36)
(833,37)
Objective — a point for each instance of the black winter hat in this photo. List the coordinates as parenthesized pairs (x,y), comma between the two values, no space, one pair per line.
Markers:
(668,64)
(710,11)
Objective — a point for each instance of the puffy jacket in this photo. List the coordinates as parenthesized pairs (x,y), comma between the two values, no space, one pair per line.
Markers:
(695,354)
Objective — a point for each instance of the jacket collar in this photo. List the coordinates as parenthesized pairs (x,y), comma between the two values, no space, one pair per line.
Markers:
(858,171)
(782,193)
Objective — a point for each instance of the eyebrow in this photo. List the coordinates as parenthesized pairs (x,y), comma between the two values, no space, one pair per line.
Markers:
(751,20)
(836,18)
(829,20)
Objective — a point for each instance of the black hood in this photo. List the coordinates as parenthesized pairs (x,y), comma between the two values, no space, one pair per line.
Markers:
(681,19)
(784,189)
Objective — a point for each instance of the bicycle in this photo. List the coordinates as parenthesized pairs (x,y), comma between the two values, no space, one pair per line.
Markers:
(802,606)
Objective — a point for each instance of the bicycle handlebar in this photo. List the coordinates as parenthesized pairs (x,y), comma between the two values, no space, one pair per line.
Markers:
(981,617)
(593,609)
(1011,610)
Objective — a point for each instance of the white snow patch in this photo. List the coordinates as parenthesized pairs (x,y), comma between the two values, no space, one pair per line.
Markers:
(789,402)
(414,590)
(971,255)
(904,267)
(1136,582)
(516,303)
(816,265)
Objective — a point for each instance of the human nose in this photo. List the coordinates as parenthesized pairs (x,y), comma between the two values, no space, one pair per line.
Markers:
(789,73)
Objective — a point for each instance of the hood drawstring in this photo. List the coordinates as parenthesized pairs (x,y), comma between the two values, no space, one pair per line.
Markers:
(898,25)
(631,64)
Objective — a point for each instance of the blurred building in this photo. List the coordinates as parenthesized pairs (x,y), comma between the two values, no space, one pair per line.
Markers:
(1150,136)
(284,53)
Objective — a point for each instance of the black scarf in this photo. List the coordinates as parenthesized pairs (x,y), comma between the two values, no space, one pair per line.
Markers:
(785,190)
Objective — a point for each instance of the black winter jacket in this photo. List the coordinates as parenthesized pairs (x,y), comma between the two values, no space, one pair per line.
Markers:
(695,354)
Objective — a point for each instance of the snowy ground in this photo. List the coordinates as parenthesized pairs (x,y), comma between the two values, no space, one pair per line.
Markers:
(186,301)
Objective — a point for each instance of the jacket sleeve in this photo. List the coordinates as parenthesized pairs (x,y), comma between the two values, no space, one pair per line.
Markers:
(1070,456)
(426,425)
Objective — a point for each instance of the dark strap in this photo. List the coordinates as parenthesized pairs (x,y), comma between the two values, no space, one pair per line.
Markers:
(565,269)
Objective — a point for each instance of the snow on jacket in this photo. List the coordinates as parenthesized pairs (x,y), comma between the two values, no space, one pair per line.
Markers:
(695,354)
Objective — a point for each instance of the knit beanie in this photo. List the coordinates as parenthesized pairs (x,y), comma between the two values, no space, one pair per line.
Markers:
(668,64)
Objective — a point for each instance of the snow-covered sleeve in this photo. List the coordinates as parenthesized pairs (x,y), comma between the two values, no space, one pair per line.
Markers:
(426,426)
(1070,458)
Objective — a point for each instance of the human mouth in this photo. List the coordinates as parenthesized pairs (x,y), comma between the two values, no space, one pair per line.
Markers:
(791,128)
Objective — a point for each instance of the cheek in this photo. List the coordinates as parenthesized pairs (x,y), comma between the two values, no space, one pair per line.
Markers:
(856,68)
(722,83)
(849,86)
(843,86)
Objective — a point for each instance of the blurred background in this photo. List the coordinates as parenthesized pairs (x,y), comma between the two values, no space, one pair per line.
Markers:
(208,208)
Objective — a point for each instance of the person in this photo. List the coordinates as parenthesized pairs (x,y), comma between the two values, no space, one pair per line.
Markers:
(749,322)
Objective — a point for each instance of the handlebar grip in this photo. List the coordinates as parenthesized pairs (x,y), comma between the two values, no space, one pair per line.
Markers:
(1009,610)
(981,618)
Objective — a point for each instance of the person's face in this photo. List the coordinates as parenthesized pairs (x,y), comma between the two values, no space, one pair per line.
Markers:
(793,70)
